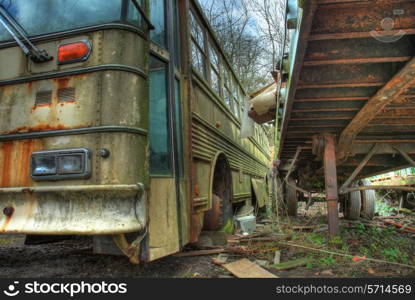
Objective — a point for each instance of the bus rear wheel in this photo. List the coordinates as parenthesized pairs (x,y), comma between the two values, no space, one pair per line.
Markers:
(220,217)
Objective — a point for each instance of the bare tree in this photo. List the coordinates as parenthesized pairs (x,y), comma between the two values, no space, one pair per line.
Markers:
(271,25)
(250,34)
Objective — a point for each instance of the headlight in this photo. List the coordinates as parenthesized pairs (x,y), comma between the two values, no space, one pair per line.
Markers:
(61,164)
(43,165)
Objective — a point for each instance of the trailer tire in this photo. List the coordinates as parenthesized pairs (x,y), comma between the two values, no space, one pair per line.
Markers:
(291,197)
(352,205)
(368,201)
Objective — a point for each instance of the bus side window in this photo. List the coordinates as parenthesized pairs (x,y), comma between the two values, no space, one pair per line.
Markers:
(160,146)
(158,18)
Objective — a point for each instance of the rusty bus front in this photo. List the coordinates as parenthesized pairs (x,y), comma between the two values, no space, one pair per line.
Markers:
(73,123)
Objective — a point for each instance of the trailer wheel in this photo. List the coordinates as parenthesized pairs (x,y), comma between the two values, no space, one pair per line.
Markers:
(409,202)
(368,201)
(291,197)
(352,205)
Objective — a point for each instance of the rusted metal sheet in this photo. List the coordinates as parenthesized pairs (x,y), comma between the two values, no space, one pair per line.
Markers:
(62,210)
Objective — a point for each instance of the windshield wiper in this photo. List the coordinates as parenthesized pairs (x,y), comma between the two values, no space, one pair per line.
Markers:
(143,14)
(19,35)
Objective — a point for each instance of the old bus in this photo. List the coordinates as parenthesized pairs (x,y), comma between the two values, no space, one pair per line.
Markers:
(121,120)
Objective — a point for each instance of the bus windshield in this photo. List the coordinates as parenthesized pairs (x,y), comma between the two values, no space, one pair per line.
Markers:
(40,17)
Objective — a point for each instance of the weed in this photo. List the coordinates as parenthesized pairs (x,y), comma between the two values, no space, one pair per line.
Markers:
(316,239)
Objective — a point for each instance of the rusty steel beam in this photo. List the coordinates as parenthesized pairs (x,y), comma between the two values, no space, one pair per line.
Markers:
(379,187)
(332,99)
(340,85)
(324,2)
(404,155)
(330,176)
(297,153)
(355,35)
(322,118)
(359,167)
(355,61)
(389,93)
(384,141)
(305,110)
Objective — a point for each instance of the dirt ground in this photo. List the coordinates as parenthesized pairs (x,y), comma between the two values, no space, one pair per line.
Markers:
(74,257)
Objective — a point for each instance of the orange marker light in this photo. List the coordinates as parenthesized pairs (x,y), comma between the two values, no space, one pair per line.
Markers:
(74,52)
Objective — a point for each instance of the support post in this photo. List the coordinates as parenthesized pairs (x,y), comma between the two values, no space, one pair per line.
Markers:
(330,175)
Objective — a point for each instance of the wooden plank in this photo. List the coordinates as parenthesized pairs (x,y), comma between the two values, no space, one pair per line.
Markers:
(163,237)
(246,269)
(389,93)
(199,253)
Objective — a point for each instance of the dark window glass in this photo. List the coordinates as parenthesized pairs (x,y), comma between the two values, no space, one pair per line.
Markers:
(198,60)
(45,16)
(160,147)
(158,18)
(196,31)
(215,81)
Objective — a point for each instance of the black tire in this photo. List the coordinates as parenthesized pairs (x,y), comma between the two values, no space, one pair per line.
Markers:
(409,201)
(291,197)
(352,205)
(368,201)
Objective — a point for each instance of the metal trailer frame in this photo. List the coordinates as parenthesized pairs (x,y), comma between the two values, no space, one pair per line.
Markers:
(348,95)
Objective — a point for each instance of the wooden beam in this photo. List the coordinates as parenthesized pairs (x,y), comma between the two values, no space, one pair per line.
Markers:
(389,93)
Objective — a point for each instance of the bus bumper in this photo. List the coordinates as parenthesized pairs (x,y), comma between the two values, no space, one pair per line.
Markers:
(73,210)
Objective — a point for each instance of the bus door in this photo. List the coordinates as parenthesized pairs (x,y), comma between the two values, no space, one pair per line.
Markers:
(165,136)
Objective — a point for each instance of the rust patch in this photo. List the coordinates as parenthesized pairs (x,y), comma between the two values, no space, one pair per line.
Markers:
(40,127)
(34,107)
(25,151)
(7,149)
(30,87)
(8,212)
(15,162)
(5,224)
(62,83)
